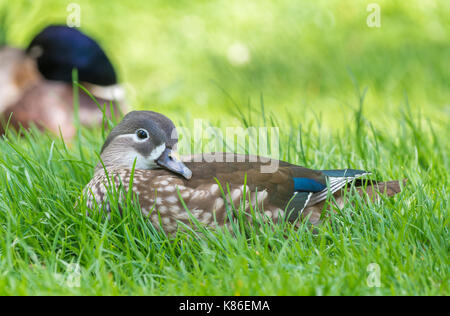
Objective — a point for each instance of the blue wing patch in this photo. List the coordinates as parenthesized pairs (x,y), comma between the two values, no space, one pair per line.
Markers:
(308,185)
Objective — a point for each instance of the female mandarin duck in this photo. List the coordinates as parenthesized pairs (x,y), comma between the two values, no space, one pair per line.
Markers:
(161,179)
(36,84)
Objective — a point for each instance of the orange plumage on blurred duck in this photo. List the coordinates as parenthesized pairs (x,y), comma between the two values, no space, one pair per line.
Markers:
(36,83)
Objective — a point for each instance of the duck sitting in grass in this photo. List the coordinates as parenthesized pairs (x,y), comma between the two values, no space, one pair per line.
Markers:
(36,84)
(166,186)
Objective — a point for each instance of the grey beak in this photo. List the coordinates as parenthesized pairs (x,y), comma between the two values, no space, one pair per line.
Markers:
(170,162)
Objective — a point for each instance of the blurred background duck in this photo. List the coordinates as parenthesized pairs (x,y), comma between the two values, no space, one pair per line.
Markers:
(36,83)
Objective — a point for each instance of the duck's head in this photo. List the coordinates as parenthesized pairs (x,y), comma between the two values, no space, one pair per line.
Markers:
(147,137)
(59,49)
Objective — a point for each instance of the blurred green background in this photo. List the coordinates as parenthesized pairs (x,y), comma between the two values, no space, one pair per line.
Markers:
(197,59)
(310,60)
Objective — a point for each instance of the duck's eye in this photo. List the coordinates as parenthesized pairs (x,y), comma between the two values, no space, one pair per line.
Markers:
(142,134)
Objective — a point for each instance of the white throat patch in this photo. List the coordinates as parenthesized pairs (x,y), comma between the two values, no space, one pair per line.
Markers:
(143,162)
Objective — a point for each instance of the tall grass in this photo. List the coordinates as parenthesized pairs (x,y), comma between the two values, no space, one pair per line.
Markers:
(309,66)
(44,236)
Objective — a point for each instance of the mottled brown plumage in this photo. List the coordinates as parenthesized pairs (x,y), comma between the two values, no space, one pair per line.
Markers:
(18,72)
(159,191)
(49,105)
(213,186)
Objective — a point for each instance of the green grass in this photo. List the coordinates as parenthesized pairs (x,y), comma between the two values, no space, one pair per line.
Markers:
(407,236)
(307,61)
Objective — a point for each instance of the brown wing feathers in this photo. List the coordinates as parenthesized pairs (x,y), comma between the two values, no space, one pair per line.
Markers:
(160,190)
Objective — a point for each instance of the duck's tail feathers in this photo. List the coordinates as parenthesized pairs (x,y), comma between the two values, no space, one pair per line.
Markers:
(377,189)
(311,204)
(336,179)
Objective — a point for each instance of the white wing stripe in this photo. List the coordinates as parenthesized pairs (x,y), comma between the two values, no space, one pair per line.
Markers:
(334,184)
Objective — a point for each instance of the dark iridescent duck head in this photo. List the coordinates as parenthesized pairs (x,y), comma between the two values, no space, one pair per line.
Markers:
(165,186)
(147,137)
(36,84)
(59,49)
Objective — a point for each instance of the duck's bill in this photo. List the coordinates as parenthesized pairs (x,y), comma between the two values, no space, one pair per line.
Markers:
(169,161)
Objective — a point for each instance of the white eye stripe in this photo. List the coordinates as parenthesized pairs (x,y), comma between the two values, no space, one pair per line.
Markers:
(156,152)
(132,137)
(127,154)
